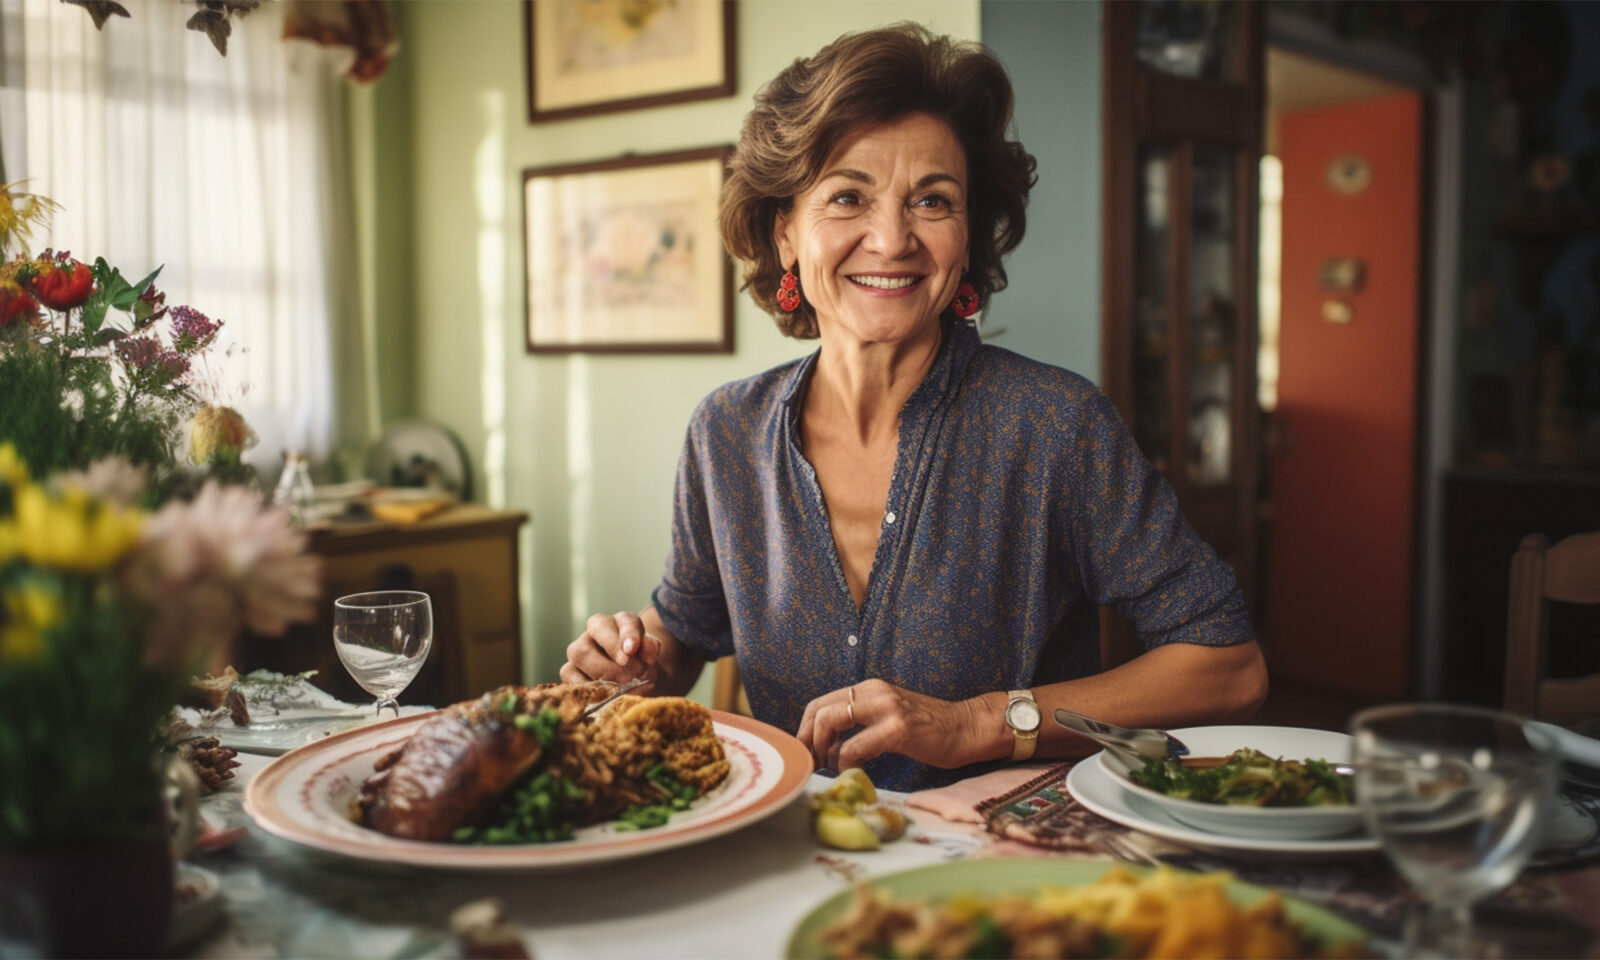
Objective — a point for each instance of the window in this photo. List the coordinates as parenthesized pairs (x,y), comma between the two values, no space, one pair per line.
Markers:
(224,169)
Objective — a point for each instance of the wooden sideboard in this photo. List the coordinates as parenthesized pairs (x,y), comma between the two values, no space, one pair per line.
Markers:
(465,558)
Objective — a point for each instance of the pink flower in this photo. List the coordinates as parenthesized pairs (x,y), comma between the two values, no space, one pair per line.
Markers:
(220,563)
(114,479)
(192,330)
(151,361)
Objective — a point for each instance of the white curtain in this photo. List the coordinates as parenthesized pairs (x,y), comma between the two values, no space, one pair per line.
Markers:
(230,171)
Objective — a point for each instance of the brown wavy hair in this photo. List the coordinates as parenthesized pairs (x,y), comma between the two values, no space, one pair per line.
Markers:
(871,78)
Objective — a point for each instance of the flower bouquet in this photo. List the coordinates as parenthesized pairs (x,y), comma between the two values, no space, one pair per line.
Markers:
(106,611)
(122,575)
(93,365)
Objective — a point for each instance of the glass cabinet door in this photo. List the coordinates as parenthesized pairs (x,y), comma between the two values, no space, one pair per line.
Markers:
(1212,318)
(1189,38)
(1152,418)
(1183,135)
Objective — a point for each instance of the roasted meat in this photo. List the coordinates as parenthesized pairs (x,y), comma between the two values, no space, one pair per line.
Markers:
(453,770)
(456,767)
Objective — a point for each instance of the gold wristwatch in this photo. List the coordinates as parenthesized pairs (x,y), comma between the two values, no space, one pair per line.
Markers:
(1023,717)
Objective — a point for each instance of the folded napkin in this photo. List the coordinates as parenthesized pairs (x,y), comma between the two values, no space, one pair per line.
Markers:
(959,801)
(1029,809)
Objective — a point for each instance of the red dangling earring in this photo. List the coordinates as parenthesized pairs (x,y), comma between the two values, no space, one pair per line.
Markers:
(966,301)
(789,292)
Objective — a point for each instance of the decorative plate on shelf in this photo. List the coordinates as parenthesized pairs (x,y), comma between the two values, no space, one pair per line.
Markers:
(416,453)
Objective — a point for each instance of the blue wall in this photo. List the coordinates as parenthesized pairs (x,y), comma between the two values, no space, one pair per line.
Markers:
(1051,310)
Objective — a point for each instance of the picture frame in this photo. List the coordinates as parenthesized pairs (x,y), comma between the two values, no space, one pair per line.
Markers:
(585,58)
(625,256)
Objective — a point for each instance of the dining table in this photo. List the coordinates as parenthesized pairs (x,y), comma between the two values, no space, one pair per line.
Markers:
(742,893)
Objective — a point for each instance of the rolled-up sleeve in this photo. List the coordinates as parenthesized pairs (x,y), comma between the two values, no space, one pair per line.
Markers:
(1135,549)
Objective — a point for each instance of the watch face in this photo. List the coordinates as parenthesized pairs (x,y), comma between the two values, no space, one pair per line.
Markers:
(1023,715)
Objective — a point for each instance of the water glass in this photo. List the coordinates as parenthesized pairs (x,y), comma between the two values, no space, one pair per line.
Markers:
(1455,795)
(383,638)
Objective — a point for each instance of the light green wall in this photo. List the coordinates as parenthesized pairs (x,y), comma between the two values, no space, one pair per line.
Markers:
(586,444)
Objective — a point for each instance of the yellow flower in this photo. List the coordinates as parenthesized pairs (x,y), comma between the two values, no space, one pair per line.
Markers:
(20,642)
(31,612)
(20,212)
(72,531)
(8,541)
(12,470)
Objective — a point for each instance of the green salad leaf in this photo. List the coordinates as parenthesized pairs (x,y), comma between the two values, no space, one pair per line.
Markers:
(1249,777)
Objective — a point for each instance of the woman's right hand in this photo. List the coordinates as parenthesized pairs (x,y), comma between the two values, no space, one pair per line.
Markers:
(612,647)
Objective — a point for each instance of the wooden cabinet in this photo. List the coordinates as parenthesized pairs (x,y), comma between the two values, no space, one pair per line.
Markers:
(1182,135)
(465,558)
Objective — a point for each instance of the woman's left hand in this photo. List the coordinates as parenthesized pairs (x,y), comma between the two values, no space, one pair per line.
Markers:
(889,719)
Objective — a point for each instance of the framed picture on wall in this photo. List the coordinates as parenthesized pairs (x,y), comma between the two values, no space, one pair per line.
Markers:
(624,256)
(598,56)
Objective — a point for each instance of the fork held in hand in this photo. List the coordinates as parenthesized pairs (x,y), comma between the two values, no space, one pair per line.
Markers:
(628,687)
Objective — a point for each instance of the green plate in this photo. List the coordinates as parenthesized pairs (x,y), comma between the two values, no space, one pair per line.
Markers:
(1003,877)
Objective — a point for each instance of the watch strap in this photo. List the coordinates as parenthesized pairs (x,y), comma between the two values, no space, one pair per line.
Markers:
(1023,741)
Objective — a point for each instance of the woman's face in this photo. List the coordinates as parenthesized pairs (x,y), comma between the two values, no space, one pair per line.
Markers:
(880,241)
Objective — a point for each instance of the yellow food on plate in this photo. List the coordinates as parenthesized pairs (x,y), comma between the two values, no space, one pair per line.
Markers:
(1165,913)
(847,815)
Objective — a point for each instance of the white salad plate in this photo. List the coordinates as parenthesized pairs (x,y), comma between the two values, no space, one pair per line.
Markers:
(305,797)
(1276,823)
(1111,796)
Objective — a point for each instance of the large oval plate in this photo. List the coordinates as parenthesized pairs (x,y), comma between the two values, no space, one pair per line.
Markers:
(304,796)
(991,878)
(1274,823)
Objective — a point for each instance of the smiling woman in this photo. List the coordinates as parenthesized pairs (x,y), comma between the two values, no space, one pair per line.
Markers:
(904,537)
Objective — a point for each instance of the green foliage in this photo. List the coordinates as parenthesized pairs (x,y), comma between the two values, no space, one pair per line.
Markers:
(79,738)
(66,411)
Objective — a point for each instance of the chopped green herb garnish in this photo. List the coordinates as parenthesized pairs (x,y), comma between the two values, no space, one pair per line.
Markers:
(542,725)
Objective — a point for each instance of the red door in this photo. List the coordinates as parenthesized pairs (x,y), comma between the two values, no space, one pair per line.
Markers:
(1341,555)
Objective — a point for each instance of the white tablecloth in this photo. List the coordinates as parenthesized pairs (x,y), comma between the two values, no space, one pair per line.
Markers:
(738,895)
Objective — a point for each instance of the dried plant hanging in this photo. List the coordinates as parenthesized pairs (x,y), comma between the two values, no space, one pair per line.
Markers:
(365,27)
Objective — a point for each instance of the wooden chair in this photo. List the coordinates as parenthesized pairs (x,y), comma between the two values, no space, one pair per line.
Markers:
(1542,574)
(727,690)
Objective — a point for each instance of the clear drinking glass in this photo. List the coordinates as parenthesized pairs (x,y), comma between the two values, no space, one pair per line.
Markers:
(1455,795)
(383,638)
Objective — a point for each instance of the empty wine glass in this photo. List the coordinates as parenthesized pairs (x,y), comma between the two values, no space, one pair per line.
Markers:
(383,638)
(1455,795)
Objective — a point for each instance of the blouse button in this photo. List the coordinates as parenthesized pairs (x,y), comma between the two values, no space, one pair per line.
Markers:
(851,640)
(889,518)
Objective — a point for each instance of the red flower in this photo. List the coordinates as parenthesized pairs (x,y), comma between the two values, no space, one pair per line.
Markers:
(60,282)
(16,306)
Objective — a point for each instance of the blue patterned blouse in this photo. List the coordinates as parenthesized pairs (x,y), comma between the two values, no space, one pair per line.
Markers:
(1019,504)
